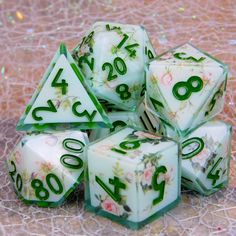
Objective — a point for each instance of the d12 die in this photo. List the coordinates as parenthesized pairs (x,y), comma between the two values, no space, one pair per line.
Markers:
(46,168)
(112,57)
(119,119)
(186,86)
(206,154)
(132,177)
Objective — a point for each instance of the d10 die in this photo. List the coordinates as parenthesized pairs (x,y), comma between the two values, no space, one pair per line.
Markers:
(132,177)
(112,57)
(46,168)
(206,154)
(186,86)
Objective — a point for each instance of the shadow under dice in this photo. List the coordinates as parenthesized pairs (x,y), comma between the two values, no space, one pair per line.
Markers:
(46,168)
(112,57)
(132,177)
(186,87)
(206,154)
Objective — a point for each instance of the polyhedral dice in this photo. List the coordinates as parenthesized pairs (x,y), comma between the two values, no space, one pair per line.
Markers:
(186,87)
(132,176)
(46,168)
(206,154)
(112,57)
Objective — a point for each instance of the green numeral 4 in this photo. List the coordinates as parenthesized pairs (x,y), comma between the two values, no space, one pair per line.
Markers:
(63,85)
(215,176)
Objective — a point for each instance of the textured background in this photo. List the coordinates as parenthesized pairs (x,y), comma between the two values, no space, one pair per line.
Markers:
(30,32)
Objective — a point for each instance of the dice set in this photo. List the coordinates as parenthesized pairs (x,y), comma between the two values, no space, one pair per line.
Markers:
(131,125)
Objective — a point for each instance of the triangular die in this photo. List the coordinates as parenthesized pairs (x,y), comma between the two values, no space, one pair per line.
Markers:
(63,100)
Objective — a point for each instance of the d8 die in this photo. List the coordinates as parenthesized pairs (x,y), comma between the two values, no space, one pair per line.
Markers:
(206,154)
(132,177)
(46,168)
(186,87)
(112,57)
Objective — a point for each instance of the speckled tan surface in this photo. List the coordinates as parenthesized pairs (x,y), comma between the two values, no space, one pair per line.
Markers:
(31,32)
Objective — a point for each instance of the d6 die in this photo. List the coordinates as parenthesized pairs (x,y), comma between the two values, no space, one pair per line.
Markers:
(186,87)
(46,168)
(206,154)
(132,177)
(112,57)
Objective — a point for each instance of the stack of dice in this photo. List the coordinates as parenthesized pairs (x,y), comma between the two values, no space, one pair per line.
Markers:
(149,121)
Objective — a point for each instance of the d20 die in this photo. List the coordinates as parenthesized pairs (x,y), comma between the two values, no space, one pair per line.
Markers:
(119,119)
(206,154)
(112,57)
(46,168)
(186,86)
(132,177)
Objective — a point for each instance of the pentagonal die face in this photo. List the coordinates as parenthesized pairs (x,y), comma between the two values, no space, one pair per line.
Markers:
(186,87)
(46,168)
(206,155)
(132,177)
(112,57)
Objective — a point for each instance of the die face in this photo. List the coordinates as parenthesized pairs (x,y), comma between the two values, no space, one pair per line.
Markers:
(186,91)
(118,55)
(118,120)
(46,168)
(206,156)
(145,169)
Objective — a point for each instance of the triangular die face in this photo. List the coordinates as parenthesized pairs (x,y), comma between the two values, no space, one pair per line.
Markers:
(63,100)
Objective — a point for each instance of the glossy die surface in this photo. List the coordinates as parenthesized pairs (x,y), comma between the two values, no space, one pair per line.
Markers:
(112,57)
(206,154)
(186,87)
(132,177)
(46,168)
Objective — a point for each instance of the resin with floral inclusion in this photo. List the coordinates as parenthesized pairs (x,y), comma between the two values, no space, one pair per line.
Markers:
(112,57)
(63,100)
(46,168)
(132,177)
(186,87)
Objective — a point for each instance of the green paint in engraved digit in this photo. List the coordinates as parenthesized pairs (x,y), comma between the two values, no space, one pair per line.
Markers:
(110,71)
(73,141)
(179,55)
(19,182)
(37,185)
(116,124)
(196,151)
(81,44)
(123,41)
(117,186)
(130,49)
(84,113)
(156,103)
(50,108)
(213,102)
(158,186)
(13,172)
(71,161)
(63,85)
(89,38)
(122,69)
(84,59)
(149,53)
(216,176)
(49,178)
(192,85)
(130,145)
(143,90)
(118,150)
(123,91)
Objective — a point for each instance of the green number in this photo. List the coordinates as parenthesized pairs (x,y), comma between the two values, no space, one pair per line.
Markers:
(143,90)
(149,121)
(130,145)
(108,27)
(89,38)
(13,172)
(119,66)
(197,150)
(116,124)
(192,85)
(63,85)
(19,182)
(71,161)
(56,180)
(180,55)
(216,176)
(156,103)
(130,49)
(118,150)
(123,41)
(40,192)
(73,141)
(158,186)
(117,186)
(84,113)
(213,102)
(50,108)
(123,91)
(149,53)
(84,59)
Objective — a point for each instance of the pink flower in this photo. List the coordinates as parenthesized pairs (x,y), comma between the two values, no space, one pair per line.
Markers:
(51,140)
(147,176)
(111,206)
(201,157)
(166,79)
